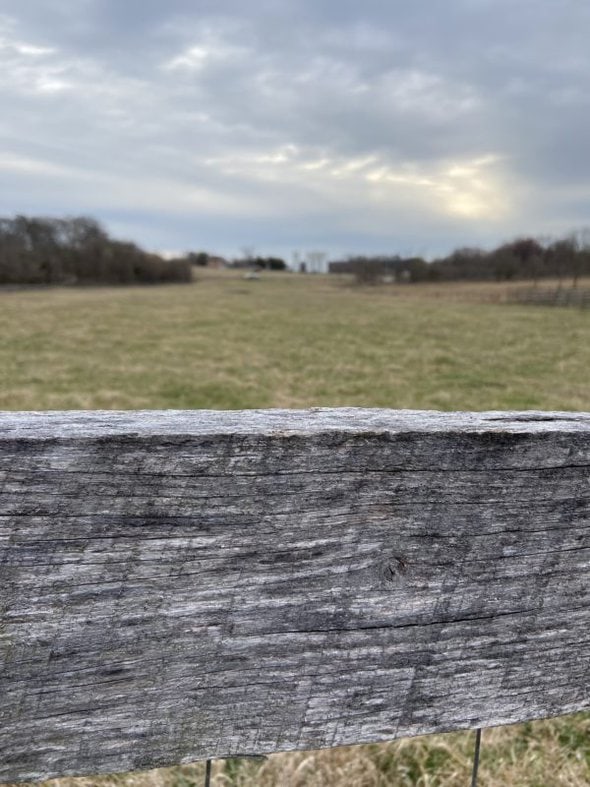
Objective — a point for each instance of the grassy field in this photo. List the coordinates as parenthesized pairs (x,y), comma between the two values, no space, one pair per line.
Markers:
(289,341)
(295,341)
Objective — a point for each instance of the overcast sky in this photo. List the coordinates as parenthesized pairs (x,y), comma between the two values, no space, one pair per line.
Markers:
(375,126)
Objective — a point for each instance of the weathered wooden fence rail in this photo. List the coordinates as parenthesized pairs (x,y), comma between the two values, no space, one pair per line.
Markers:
(183,585)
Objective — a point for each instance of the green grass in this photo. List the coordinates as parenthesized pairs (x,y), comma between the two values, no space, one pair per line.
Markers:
(287,341)
(292,341)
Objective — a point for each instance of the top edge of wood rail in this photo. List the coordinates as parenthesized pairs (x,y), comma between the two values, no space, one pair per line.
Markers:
(43,425)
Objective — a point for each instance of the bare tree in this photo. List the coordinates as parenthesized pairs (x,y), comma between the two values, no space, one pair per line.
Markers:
(316,261)
(248,253)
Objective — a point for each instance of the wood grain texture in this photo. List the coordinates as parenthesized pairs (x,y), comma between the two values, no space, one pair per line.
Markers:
(182,585)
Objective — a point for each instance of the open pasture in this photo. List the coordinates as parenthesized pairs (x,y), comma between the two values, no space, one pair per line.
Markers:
(294,341)
(290,341)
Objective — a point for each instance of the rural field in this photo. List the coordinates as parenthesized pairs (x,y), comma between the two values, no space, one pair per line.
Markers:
(300,341)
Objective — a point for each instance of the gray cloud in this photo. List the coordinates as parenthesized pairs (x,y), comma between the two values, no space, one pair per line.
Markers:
(379,126)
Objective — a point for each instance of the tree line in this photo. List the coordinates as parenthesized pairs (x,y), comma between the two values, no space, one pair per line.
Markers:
(521,259)
(251,262)
(37,251)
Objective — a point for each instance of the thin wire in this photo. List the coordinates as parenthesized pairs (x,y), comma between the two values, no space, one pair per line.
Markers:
(208,774)
(476,758)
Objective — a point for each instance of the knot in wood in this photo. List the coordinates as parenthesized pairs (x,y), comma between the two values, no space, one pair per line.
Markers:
(395,567)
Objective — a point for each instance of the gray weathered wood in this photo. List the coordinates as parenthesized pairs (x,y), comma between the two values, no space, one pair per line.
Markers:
(181,585)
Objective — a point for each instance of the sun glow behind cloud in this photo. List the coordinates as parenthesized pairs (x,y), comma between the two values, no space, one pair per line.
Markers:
(363,129)
(471,189)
